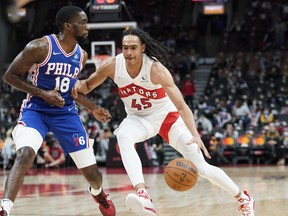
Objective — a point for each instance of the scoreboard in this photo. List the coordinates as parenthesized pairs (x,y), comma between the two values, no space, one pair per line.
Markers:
(105,6)
(105,10)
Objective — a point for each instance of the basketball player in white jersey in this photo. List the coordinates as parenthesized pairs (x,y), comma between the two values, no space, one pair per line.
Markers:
(154,105)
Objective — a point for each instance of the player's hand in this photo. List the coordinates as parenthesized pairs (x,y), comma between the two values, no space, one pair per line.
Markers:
(102,115)
(53,98)
(199,142)
(74,91)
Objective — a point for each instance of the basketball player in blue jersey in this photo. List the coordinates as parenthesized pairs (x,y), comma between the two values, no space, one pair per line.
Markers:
(52,64)
(155,105)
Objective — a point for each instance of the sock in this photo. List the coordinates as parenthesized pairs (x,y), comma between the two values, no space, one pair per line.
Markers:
(7,204)
(95,192)
(243,196)
(142,190)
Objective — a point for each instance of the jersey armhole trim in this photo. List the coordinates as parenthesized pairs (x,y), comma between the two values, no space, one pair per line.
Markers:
(49,53)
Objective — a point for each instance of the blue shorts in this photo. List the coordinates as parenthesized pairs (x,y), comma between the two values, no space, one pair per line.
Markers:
(66,126)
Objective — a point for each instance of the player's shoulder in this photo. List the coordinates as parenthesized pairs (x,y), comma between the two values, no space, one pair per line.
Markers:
(158,72)
(158,67)
(38,44)
(85,54)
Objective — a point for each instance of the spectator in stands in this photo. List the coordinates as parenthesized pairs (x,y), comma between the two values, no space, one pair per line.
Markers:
(9,150)
(103,143)
(204,125)
(6,107)
(53,154)
(274,100)
(274,140)
(222,115)
(216,150)
(188,90)
(157,144)
(203,104)
(241,114)
(266,117)
(230,131)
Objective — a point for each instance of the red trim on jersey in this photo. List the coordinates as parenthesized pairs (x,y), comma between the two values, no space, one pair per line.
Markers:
(170,119)
(22,123)
(36,76)
(49,53)
(81,59)
(24,102)
(132,89)
(62,50)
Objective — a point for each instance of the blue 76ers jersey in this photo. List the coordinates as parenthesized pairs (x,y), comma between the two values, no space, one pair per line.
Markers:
(58,71)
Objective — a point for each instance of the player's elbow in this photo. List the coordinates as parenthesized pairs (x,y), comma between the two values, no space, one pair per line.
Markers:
(8,78)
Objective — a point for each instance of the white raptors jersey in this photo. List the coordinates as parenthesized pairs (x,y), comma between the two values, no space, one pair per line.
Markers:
(139,95)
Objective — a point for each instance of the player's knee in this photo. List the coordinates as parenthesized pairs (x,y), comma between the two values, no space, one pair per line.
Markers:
(124,140)
(25,157)
(121,134)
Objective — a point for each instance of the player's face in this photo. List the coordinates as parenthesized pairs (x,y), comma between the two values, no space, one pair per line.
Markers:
(80,27)
(132,49)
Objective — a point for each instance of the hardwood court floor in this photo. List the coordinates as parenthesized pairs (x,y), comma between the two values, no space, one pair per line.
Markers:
(63,192)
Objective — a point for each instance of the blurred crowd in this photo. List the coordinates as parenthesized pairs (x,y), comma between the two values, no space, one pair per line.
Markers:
(245,95)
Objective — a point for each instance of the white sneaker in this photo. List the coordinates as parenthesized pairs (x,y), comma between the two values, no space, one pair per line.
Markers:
(246,205)
(140,203)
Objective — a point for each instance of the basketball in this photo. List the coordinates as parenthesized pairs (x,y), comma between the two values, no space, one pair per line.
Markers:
(180,174)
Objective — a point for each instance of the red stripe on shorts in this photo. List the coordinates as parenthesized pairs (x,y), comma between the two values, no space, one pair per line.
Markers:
(170,119)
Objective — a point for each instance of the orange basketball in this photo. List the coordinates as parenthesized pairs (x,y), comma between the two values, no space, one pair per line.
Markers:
(181,174)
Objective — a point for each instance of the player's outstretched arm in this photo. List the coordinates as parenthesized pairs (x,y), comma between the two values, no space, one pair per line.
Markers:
(105,70)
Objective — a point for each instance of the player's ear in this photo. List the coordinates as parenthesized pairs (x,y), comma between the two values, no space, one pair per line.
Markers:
(143,48)
(67,25)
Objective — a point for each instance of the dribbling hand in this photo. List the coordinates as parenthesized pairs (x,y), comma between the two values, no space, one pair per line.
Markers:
(199,142)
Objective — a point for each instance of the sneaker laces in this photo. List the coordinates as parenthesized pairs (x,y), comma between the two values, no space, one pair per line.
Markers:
(102,199)
(244,206)
(142,193)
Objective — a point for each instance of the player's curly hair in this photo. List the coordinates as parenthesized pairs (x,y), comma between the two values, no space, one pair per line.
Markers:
(65,14)
(154,49)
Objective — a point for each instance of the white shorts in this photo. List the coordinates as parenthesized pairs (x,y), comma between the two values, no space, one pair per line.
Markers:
(141,128)
(26,136)
(84,157)
(29,137)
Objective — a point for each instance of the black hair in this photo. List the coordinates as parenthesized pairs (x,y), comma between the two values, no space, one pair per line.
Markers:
(65,14)
(154,49)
